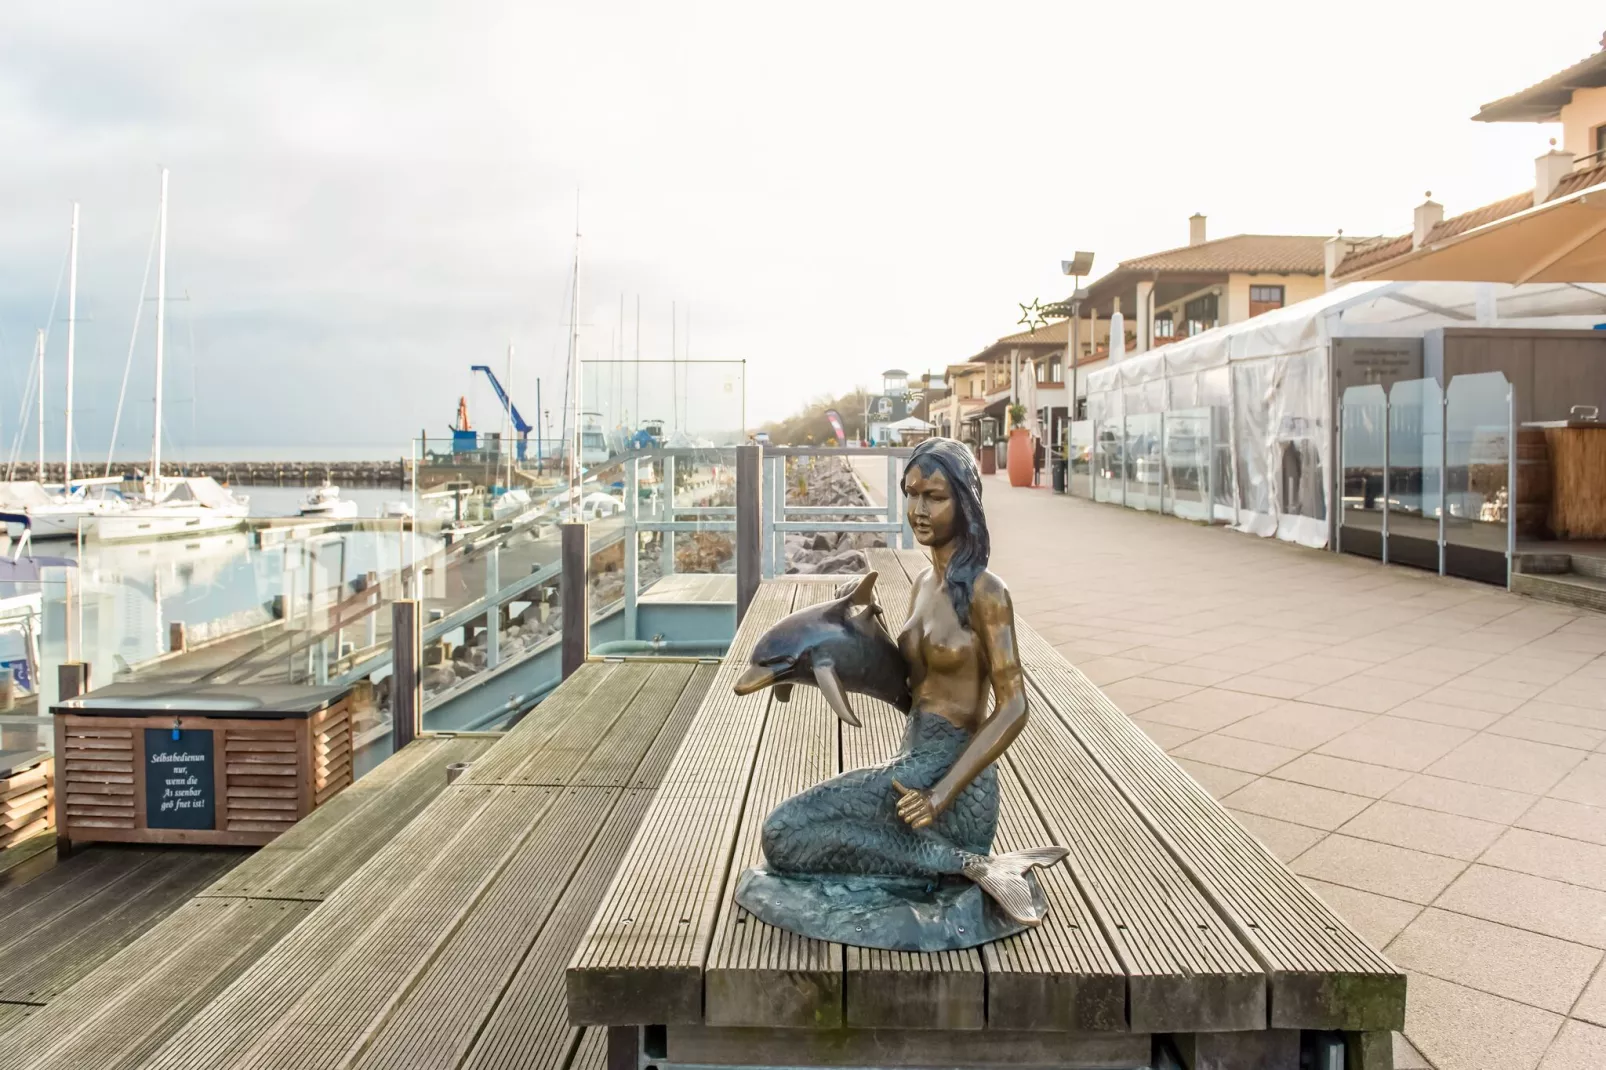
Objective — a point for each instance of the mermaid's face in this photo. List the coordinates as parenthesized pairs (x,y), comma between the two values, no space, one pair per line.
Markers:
(930,506)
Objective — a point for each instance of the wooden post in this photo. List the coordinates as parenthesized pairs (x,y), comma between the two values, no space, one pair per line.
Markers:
(576,589)
(176,642)
(406,672)
(72,680)
(749,525)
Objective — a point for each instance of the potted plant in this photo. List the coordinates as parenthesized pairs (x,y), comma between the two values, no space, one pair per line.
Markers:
(1019,458)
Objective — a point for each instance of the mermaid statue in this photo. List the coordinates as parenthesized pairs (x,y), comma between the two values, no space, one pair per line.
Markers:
(898,855)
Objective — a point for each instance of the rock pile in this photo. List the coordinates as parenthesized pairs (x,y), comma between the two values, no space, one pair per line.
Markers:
(826,481)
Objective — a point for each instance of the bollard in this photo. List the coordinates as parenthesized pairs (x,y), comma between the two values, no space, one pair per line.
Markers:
(177,643)
(407,678)
(72,680)
(749,526)
(576,582)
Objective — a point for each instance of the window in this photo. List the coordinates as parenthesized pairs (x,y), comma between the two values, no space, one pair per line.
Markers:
(1042,371)
(1164,325)
(1200,314)
(1054,370)
(1264,299)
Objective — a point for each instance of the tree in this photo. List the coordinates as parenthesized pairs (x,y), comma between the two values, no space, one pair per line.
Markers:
(808,426)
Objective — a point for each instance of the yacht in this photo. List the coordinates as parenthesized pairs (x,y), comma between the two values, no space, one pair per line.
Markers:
(326,503)
(54,515)
(175,508)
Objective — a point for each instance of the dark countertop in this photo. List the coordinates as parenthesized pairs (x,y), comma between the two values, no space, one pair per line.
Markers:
(202,700)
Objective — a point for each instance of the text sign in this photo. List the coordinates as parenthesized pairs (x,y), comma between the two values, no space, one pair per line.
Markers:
(180,792)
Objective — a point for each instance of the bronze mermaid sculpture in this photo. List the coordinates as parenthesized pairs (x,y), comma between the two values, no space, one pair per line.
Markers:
(898,854)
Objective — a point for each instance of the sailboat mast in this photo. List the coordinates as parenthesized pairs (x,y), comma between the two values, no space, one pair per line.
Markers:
(574,370)
(72,323)
(39,359)
(154,483)
(507,419)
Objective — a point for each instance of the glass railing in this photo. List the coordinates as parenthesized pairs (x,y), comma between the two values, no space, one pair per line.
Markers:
(1188,450)
(1363,449)
(1144,462)
(1479,431)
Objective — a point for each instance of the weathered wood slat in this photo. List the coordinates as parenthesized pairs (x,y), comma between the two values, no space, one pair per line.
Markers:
(758,974)
(649,774)
(27,904)
(1323,975)
(614,760)
(643,958)
(539,724)
(1186,970)
(592,1051)
(1063,974)
(695,1045)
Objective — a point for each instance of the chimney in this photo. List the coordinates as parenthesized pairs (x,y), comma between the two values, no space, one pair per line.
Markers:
(1333,252)
(1549,170)
(1196,229)
(1429,214)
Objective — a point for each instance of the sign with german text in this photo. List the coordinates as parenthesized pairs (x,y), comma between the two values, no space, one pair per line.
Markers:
(179,788)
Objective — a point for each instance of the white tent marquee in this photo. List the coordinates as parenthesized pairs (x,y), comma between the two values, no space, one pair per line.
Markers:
(1264,384)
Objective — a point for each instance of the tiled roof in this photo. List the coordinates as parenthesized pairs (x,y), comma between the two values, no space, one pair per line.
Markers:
(1543,101)
(1382,250)
(1054,334)
(1284,254)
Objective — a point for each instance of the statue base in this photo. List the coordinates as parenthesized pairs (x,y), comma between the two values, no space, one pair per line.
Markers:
(893,913)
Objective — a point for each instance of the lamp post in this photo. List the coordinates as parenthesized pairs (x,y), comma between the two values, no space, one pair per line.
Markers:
(1077,268)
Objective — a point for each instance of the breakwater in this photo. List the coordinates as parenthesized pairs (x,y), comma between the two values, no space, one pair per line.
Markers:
(392,473)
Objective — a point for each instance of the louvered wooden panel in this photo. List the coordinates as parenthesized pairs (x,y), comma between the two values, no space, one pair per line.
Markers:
(263,786)
(97,784)
(25,801)
(331,751)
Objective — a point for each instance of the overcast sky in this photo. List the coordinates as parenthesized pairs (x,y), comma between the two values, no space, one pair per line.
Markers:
(368,198)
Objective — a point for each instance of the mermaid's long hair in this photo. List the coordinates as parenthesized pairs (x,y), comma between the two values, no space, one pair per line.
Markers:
(969,560)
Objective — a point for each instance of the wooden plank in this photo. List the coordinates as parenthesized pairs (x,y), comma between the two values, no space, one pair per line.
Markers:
(650,773)
(904,989)
(568,700)
(73,943)
(555,756)
(325,848)
(642,961)
(1063,974)
(27,848)
(26,905)
(122,1011)
(749,526)
(1186,970)
(592,1051)
(692,1045)
(613,762)
(14,1014)
(575,593)
(758,974)
(1323,975)
(529,1029)
(387,909)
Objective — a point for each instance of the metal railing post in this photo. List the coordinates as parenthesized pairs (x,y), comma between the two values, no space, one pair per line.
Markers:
(576,591)
(1444,476)
(632,547)
(666,539)
(749,525)
(1338,482)
(406,672)
(1511,483)
(1388,419)
(493,611)
(766,521)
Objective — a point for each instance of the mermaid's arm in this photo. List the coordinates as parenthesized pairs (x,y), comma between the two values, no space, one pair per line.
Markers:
(992,618)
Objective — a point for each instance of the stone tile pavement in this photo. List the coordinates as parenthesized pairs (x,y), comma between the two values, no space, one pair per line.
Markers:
(1429,755)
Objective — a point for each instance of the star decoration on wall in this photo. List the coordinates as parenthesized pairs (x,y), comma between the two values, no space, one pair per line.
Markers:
(1031,316)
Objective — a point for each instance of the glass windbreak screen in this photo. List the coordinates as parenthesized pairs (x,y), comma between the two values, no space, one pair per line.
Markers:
(1145,468)
(1188,453)
(1362,445)
(1080,475)
(1478,459)
(1108,468)
(1415,413)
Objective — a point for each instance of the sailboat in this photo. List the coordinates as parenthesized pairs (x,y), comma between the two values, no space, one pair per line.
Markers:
(168,507)
(57,513)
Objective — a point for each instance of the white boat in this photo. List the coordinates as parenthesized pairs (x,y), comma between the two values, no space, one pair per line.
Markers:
(397,510)
(512,503)
(326,503)
(188,505)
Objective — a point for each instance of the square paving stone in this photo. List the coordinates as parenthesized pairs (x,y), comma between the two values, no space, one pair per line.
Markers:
(1579,1046)
(1586,784)
(1108,670)
(1424,830)
(1299,725)
(1286,840)
(1341,774)
(1167,735)
(1304,804)
(1376,917)
(1566,911)
(1243,754)
(1421,709)
(1215,779)
(1366,694)
(1561,735)
(1499,805)
(1458,1028)
(1520,965)
(1502,762)
(1591,1006)
(1545,855)
(1483,695)
(1561,818)
(1561,713)
(1268,686)
(1396,742)
(1379,867)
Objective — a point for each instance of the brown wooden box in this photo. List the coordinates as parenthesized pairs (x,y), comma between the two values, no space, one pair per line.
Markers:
(276,754)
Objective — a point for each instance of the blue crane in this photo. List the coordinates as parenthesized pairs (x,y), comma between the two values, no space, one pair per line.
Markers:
(519,425)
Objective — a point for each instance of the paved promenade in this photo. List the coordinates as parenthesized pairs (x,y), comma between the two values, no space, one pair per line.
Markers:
(1430,755)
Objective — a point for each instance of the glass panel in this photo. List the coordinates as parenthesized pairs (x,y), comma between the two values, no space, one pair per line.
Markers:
(1145,470)
(1414,478)
(1252,389)
(1299,415)
(1108,470)
(1478,453)
(1188,452)
(1363,412)
(1081,470)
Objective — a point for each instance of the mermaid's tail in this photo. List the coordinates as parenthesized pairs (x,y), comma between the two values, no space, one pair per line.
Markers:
(1003,877)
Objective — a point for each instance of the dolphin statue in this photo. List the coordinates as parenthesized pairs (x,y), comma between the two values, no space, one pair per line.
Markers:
(839,646)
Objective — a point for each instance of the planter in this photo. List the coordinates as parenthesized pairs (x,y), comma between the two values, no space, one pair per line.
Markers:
(1020,457)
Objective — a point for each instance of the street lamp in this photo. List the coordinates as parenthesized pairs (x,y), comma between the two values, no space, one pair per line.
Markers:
(1078,267)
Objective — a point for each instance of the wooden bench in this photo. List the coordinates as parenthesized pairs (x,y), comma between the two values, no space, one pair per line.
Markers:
(1167,921)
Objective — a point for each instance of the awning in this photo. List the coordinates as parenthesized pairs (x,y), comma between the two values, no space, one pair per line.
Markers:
(1559,241)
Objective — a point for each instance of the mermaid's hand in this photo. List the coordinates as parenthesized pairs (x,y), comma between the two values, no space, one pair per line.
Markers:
(915,807)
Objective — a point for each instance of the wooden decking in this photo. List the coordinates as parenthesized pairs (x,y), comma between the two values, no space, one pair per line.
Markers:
(1168,917)
(414,925)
